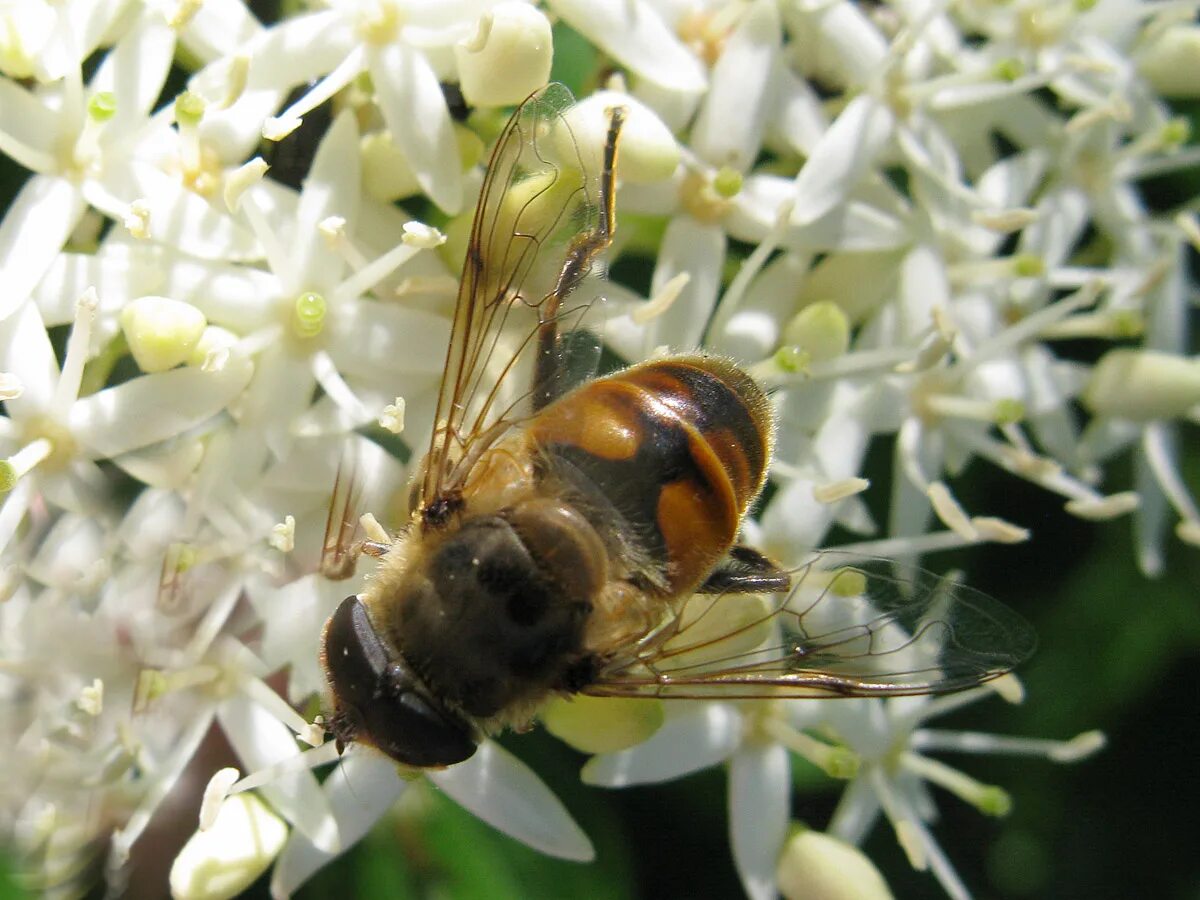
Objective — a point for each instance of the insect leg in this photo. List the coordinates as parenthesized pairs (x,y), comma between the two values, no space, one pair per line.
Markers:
(746,571)
(549,377)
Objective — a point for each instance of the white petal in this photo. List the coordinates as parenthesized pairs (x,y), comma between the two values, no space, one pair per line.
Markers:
(502,791)
(299,50)
(359,792)
(35,227)
(260,740)
(28,128)
(91,21)
(414,109)
(377,340)
(1012,180)
(856,813)
(82,488)
(728,130)
(699,250)
(633,33)
(836,42)
(154,407)
(134,71)
(27,353)
(332,188)
(850,146)
(1062,216)
(182,218)
(795,521)
(1150,518)
(700,736)
(924,287)
(292,616)
(852,226)
(772,297)
(759,804)
(799,118)
(217,26)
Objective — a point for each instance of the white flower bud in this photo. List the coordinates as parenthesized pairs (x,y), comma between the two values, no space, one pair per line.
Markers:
(602,724)
(821,329)
(818,866)
(1142,385)
(649,152)
(227,857)
(507,58)
(161,332)
(387,175)
(1172,62)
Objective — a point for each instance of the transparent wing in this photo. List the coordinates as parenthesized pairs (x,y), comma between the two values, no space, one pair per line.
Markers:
(848,627)
(544,212)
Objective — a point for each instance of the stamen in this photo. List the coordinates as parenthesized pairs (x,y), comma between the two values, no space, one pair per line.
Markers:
(258,691)
(325,371)
(661,301)
(1005,221)
(215,793)
(1189,224)
(950,512)
(241,179)
(997,412)
(283,535)
(988,799)
(908,831)
(189,111)
(183,13)
(1001,268)
(753,264)
(306,759)
(276,128)
(839,490)
(422,236)
(1102,509)
(370,274)
(392,417)
(22,462)
(834,761)
(1158,450)
(373,530)
(990,528)
(1077,748)
(11,386)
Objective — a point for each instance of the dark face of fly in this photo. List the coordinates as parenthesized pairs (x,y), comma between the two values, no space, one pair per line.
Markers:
(378,700)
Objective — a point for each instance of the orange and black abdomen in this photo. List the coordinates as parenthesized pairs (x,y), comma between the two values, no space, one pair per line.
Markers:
(677,448)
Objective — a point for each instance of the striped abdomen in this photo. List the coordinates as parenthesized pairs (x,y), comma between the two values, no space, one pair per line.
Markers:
(677,448)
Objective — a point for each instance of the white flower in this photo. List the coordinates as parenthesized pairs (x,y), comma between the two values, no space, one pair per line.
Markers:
(407,49)
(890,739)
(492,784)
(52,437)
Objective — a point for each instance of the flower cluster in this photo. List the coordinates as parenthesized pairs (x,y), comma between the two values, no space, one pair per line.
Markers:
(900,217)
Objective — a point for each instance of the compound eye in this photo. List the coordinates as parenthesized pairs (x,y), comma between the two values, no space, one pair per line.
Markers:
(378,700)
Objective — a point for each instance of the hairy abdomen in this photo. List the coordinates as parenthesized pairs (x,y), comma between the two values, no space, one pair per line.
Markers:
(676,449)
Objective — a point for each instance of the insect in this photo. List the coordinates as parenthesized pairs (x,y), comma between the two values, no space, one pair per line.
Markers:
(582,538)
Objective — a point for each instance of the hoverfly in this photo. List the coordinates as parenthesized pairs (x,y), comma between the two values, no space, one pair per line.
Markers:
(582,539)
